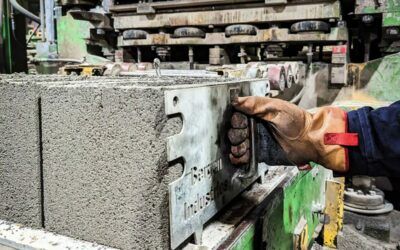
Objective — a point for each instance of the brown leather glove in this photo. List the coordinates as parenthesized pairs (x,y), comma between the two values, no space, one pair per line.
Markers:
(305,137)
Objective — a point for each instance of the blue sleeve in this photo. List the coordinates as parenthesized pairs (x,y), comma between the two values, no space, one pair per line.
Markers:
(378,153)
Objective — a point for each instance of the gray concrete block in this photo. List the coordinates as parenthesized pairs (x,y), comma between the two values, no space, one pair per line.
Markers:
(106,173)
(20,196)
(20,169)
(104,166)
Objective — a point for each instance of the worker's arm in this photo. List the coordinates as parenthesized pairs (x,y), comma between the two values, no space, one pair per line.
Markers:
(365,141)
(378,153)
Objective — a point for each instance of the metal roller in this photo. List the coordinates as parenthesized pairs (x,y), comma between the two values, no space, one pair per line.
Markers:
(240,29)
(289,74)
(134,34)
(128,67)
(310,26)
(112,69)
(276,76)
(295,71)
(189,32)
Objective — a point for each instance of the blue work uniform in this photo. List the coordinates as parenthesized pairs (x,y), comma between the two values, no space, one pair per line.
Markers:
(378,153)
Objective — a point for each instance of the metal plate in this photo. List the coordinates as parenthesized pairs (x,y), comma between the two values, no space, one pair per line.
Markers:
(209,181)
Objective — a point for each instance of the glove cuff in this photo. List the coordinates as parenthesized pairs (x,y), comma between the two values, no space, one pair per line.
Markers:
(331,124)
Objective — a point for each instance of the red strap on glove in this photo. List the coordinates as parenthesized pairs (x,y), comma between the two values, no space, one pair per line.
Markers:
(342,139)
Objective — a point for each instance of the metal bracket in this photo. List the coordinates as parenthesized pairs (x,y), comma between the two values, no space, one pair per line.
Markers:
(272,2)
(145,8)
(98,20)
(209,180)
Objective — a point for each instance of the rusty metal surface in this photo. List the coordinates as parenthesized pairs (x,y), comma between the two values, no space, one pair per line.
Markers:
(230,16)
(196,3)
(176,4)
(266,35)
(333,211)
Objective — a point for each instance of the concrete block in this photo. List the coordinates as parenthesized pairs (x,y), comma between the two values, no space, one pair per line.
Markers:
(105,165)
(97,147)
(20,161)
(20,195)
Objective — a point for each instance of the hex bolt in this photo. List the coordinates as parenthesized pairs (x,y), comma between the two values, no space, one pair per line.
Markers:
(358,225)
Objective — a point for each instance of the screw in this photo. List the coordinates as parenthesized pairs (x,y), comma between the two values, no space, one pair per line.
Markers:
(367,19)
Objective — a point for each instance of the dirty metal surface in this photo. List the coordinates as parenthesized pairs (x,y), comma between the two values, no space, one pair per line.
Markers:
(369,6)
(302,197)
(265,35)
(78,2)
(195,3)
(208,181)
(230,16)
(333,211)
(232,229)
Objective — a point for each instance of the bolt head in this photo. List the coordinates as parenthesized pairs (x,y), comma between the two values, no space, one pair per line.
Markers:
(392,32)
(367,19)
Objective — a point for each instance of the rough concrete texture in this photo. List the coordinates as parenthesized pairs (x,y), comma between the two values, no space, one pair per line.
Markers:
(106,174)
(19,154)
(97,146)
(20,169)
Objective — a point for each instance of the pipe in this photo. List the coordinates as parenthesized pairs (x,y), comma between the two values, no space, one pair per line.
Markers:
(23,11)
(49,17)
(42,22)
(191,58)
(65,60)
(1,16)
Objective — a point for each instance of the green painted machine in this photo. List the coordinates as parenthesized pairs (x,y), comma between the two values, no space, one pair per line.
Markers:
(5,39)
(385,13)
(293,210)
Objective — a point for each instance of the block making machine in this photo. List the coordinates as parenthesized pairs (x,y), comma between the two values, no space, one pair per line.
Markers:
(142,161)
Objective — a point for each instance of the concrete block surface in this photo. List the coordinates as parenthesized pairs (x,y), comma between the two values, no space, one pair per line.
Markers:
(20,196)
(106,173)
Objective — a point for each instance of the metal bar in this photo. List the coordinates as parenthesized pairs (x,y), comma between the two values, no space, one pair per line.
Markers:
(42,20)
(177,4)
(1,17)
(267,35)
(49,16)
(191,3)
(7,36)
(310,11)
(173,72)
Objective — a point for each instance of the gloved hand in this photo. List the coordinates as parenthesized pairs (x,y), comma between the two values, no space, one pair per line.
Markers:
(267,148)
(303,136)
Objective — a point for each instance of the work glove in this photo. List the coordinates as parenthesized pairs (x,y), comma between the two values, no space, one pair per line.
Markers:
(304,137)
(267,148)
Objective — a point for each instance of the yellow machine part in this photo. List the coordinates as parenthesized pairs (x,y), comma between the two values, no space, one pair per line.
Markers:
(333,211)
